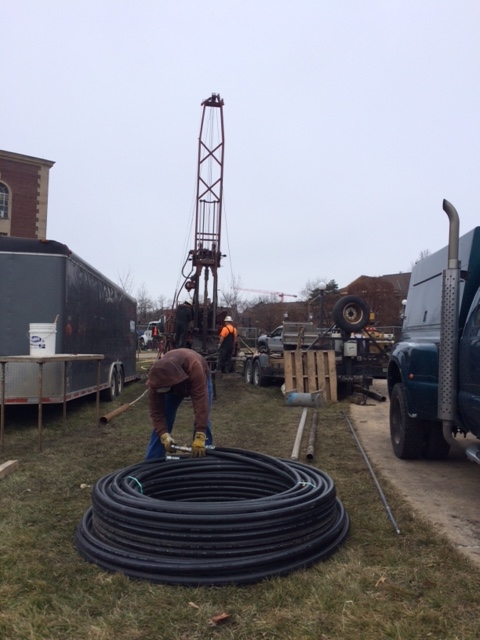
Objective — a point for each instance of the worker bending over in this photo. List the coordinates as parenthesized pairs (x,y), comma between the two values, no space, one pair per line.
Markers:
(179,374)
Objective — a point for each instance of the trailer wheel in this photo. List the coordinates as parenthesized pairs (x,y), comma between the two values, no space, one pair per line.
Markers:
(407,434)
(435,447)
(351,313)
(258,378)
(248,372)
(111,392)
(120,381)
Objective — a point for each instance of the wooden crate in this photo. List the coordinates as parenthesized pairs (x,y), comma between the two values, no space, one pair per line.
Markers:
(310,371)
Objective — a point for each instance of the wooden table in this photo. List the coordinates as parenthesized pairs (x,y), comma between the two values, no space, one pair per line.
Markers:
(41,360)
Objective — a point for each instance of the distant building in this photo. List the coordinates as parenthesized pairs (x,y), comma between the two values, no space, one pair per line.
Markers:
(399,281)
(384,295)
(23,195)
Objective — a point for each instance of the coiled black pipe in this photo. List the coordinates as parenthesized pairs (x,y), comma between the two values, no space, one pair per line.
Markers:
(233,517)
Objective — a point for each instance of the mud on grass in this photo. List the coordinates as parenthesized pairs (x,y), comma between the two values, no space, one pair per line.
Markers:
(377,584)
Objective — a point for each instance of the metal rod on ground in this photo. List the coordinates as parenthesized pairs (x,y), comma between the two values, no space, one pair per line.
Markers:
(116,412)
(370,393)
(113,414)
(377,484)
(311,438)
(298,439)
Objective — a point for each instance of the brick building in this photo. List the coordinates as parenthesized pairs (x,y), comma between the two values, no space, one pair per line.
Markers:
(23,195)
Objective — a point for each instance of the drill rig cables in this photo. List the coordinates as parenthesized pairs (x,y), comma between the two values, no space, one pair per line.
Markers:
(232,517)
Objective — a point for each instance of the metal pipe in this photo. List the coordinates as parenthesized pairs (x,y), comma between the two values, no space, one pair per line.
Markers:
(113,414)
(448,349)
(311,438)
(454,233)
(370,393)
(116,412)
(298,439)
(377,484)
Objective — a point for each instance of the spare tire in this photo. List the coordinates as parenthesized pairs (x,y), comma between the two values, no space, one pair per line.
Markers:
(351,313)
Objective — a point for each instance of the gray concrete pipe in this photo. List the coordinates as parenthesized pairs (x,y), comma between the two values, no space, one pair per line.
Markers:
(298,438)
(311,438)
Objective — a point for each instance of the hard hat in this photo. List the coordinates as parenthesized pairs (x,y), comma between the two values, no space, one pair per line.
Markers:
(228,319)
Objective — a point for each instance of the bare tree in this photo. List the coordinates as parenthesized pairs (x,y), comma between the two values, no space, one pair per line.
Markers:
(424,253)
(312,286)
(162,302)
(127,281)
(232,298)
(144,304)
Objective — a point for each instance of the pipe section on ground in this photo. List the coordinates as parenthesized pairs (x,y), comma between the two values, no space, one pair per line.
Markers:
(298,437)
(311,438)
(113,414)
(370,393)
(232,517)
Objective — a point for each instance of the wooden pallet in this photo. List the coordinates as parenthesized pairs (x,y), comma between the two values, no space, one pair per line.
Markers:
(310,371)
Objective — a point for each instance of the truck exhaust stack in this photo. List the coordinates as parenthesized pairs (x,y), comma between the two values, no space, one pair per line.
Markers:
(448,351)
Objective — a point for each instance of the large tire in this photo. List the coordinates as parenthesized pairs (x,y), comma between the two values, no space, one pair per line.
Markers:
(351,313)
(110,393)
(120,381)
(435,447)
(257,376)
(248,373)
(407,434)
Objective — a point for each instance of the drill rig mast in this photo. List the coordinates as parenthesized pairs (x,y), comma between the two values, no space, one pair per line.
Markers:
(202,279)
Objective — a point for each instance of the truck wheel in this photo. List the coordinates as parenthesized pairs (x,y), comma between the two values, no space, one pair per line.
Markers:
(435,446)
(258,379)
(406,433)
(351,313)
(248,372)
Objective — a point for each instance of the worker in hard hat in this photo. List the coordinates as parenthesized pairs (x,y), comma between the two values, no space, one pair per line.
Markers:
(226,345)
(179,374)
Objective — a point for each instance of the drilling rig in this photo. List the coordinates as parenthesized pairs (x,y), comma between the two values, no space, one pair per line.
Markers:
(200,270)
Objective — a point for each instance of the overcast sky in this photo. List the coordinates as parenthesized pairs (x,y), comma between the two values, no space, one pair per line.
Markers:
(346,124)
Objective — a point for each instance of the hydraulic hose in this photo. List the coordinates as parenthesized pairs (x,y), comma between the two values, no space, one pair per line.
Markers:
(232,517)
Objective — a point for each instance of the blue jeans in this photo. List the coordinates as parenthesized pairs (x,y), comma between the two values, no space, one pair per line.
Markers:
(155,448)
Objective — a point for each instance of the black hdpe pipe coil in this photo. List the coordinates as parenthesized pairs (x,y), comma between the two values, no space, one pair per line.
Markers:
(232,517)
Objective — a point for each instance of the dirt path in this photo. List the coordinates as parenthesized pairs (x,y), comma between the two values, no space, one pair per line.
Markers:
(446,492)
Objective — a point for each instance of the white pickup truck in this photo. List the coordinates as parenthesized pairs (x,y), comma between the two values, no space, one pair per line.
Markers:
(151,334)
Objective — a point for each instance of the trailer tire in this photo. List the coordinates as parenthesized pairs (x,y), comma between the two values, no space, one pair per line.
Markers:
(435,447)
(110,393)
(407,434)
(120,380)
(248,372)
(258,378)
(351,313)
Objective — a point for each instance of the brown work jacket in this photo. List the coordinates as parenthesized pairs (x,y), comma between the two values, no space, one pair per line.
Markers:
(187,373)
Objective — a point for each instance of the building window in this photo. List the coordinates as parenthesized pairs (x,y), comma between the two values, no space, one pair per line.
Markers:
(4,195)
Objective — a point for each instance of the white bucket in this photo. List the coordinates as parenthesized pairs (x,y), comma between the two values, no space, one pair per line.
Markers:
(42,339)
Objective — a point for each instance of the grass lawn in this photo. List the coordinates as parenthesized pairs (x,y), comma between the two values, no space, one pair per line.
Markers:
(377,585)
